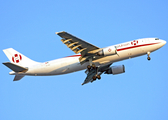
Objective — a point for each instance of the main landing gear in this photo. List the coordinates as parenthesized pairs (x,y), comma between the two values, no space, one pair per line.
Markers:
(96,77)
(148,56)
(91,67)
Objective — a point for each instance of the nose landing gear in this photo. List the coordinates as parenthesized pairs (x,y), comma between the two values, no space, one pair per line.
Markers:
(148,56)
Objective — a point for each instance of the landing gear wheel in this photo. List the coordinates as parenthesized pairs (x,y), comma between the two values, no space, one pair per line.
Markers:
(94,77)
(94,66)
(98,77)
(89,67)
(149,58)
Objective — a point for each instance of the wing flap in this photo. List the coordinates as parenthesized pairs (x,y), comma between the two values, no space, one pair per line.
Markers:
(75,47)
(71,45)
(81,50)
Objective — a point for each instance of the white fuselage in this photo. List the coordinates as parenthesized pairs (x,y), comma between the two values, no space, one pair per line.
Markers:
(71,63)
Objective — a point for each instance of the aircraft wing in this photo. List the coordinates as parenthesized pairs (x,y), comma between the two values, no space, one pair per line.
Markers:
(78,45)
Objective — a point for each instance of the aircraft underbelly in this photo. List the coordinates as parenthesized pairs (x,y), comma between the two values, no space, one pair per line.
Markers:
(68,65)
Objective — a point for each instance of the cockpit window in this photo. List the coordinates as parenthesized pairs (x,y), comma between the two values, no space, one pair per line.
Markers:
(156,38)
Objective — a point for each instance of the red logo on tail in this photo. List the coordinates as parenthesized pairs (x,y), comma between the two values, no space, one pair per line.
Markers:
(16,58)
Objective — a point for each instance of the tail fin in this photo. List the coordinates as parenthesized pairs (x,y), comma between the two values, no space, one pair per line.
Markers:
(18,58)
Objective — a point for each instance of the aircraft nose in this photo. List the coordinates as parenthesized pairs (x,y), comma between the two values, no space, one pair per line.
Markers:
(163,42)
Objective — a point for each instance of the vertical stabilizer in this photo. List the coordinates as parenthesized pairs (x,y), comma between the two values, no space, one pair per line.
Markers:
(18,58)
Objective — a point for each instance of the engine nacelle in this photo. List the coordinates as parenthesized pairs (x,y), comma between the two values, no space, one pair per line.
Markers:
(116,70)
(108,51)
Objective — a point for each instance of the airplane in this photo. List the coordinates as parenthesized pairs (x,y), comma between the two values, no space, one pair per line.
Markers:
(95,60)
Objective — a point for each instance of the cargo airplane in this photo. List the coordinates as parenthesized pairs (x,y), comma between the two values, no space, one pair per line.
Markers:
(95,60)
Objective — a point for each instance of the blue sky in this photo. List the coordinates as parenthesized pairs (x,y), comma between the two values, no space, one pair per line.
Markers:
(29,27)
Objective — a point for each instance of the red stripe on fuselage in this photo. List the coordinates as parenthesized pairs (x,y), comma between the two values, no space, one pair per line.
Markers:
(126,48)
(135,46)
(74,56)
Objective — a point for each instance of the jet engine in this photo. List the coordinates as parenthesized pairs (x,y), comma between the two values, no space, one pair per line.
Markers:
(108,51)
(116,70)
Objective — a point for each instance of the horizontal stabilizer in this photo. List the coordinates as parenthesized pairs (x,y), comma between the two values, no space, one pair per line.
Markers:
(18,77)
(15,67)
